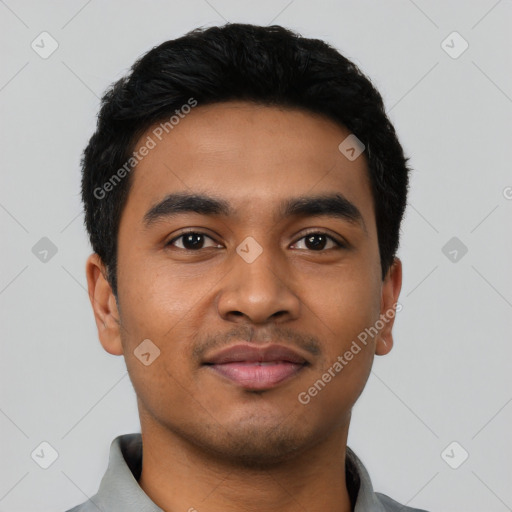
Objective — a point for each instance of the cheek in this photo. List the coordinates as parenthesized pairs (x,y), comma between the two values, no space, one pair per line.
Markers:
(345,315)
(160,305)
(155,298)
(345,303)
(344,310)
(330,398)
(160,389)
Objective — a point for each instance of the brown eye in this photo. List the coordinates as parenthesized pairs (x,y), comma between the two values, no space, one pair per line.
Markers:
(318,242)
(190,241)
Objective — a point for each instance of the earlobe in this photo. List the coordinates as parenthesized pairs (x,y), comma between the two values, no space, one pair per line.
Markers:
(104,305)
(390,292)
(383,346)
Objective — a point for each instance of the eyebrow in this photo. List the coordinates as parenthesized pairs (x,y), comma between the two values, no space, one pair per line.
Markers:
(328,205)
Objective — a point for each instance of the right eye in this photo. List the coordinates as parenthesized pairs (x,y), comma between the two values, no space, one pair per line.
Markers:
(190,241)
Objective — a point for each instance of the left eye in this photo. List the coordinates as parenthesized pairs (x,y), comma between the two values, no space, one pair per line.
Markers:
(318,241)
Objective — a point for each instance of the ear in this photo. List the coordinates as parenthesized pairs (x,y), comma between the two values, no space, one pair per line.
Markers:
(391,287)
(104,305)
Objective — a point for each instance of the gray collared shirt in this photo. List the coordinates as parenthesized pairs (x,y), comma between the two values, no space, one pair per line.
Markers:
(119,490)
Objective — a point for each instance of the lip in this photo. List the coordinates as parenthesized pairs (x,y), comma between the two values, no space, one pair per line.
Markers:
(257,367)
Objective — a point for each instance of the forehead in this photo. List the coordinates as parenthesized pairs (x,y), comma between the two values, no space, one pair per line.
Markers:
(252,156)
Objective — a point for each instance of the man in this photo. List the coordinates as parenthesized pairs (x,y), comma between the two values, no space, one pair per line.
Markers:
(243,194)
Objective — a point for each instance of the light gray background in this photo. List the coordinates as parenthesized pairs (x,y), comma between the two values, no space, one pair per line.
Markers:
(448,376)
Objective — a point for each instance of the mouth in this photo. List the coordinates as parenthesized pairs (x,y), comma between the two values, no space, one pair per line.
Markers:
(256,367)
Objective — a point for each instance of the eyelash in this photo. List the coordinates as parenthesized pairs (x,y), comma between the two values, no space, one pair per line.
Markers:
(339,245)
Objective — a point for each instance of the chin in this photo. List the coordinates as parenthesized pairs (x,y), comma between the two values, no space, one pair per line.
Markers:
(254,445)
(259,448)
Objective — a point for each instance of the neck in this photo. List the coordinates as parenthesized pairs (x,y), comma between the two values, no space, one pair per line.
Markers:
(178,476)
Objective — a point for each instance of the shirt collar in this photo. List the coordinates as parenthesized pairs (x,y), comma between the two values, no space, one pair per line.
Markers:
(119,488)
(366,500)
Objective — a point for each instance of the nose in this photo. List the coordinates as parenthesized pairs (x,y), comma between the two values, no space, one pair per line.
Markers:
(259,291)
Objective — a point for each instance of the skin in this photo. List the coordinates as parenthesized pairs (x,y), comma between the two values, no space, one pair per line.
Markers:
(208,443)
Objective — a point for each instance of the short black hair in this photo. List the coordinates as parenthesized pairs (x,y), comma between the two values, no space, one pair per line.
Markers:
(268,65)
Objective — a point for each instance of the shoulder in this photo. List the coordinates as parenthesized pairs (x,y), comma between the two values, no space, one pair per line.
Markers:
(87,506)
(390,505)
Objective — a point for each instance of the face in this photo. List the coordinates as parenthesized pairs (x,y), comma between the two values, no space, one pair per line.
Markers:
(257,302)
